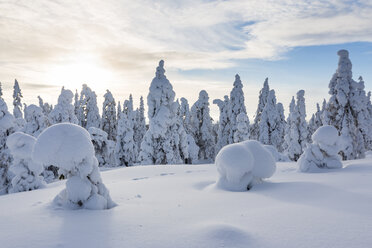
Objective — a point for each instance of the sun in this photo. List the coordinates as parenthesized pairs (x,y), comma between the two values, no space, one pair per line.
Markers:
(77,70)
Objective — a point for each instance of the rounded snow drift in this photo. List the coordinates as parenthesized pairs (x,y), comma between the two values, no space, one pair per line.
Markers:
(264,163)
(234,164)
(327,135)
(21,144)
(63,145)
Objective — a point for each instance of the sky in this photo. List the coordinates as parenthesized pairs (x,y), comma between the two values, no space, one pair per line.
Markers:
(116,45)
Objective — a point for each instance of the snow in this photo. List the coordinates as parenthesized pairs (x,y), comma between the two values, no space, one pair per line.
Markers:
(323,152)
(26,172)
(68,146)
(291,210)
(235,164)
(243,164)
(55,142)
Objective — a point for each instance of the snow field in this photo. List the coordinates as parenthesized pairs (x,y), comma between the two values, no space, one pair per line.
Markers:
(178,206)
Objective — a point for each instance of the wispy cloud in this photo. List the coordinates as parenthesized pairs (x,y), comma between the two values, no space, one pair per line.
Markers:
(128,37)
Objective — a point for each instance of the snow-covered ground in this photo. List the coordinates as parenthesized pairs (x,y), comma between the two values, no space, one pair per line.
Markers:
(178,206)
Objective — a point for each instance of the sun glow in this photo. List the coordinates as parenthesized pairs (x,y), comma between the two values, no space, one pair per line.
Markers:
(78,70)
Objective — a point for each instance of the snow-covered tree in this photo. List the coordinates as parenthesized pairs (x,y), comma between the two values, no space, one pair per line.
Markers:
(126,149)
(262,99)
(186,115)
(76,103)
(159,143)
(26,171)
(242,132)
(119,111)
(88,111)
(180,138)
(315,122)
(103,147)
(344,107)
(296,131)
(69,147)
(237,105)
(271,126)
(7,127)
(46,108)
(201,127)
(109,121)
(224,124)
(323,152)
(35,119)
(17,105)
(64,110)
(140,125)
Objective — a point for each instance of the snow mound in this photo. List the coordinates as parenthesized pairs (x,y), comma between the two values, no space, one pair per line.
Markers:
(21,144)
(264,163)
(26,172)
(327,135)
(68,146)
(63,145)
(241,165)
(234,164)
(323,152)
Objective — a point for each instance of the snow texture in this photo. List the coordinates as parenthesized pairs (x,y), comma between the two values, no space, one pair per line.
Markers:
(201,127)
(35,119)
(243,165)
(279,157)
(64,110)
(103,147)
(7,127)
(26,171)
(88,114)
(69,147)
(109,121)
(323,152)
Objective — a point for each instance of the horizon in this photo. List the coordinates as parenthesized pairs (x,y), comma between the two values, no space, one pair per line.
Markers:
(109,45)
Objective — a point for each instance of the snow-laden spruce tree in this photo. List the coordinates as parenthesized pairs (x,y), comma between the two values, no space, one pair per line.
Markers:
(342,109)
(46,108)
(17,105)
(296,136)
(315,122)
(323,152)
(64,110)
(103,147)
(69,147)
(158,145)
(186,115)
(26,171)
(35,119)
(126,149)
(262,99)
(242,131)
(7,127)
(237,105)
(88,110)
(109,121)
(119,111)
(271,125)
(76,104)
(140,125)
(179,138)
(224,124)
(360,100)
(201,127)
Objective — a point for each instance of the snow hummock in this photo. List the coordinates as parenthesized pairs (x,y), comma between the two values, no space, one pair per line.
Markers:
(323,152)
(244,164)
(26,172)
(69,147)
